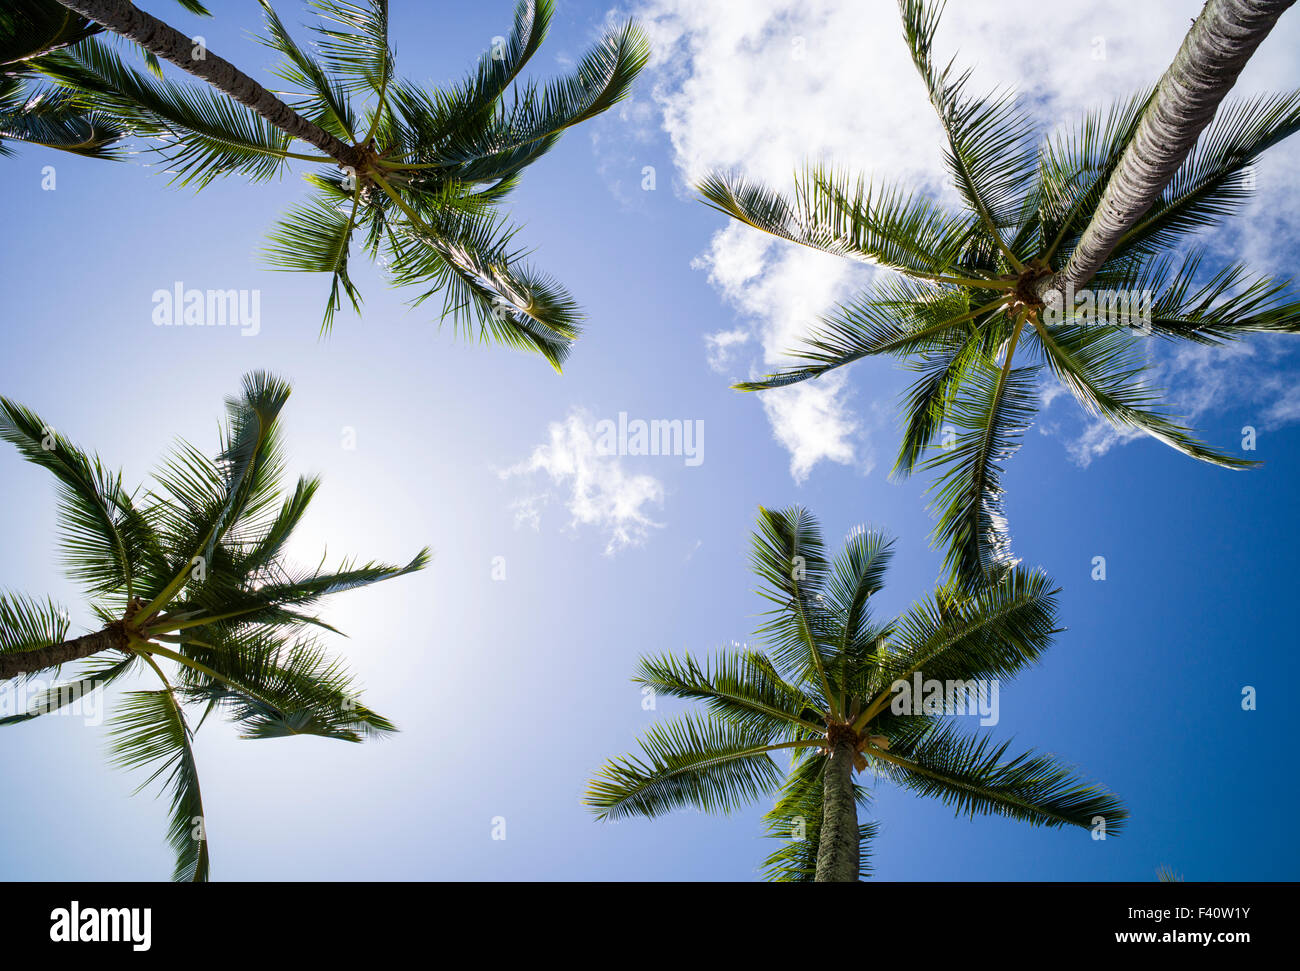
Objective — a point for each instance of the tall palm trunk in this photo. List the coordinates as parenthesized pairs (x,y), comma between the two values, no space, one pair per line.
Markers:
(27,662)
(1221,41)
(837,847)
(123,17)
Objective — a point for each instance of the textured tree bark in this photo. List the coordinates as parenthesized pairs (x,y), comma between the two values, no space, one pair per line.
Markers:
(1206,67)
(29,662)
(123,17)
(837,847)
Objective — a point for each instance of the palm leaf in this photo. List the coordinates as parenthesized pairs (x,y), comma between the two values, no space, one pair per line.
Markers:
(713,765)
(975,777)
(148,731)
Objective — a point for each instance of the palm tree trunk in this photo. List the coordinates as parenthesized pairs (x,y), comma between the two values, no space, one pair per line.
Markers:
(123,17)
(837,847)
(29,662)
(1221,41)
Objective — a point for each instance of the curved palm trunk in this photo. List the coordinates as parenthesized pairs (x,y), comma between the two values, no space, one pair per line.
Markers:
(29,662)
(123,17)
(1206,67)
(837,847)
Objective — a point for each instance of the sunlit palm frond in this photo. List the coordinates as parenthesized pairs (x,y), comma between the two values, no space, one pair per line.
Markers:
(988,414)
(737,686)
(706,763)
(1001,630)
(105,540)
(148,731)
(991,155)
(835,213)
(896,317)
(975,776)
(1102,366)
(198,132)
(27,624)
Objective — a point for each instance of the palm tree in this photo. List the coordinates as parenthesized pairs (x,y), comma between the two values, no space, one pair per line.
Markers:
(824,691)
(975,286)
(190,576)
(418,172)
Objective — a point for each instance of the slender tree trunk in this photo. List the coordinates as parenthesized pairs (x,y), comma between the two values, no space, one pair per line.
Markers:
(29,662)
(123,17)
(1215,50)
(837,848)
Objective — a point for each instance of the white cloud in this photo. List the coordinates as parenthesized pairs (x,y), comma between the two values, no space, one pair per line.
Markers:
(722,345)
(813,422)
(760,86)
(600,493)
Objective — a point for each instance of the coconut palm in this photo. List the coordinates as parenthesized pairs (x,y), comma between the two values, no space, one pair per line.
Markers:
(975,286)
(823,691)
(189,581)
(417,172)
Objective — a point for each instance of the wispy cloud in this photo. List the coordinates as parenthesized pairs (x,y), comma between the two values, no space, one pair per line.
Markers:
(599,492)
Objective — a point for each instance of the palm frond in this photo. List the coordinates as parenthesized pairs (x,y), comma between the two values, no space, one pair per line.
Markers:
(989,415)
(323,99)
(27,624)
(315,237)
(52,118)
(1205,307)
(198,132)
(713,765)
(738,686)
(990,150)
(104,539)
(148,731)
(975,777)
(602,78)
(788,554)
(1100,366)
(996,633)
(98,675)
(353,43)
(837,214)
(897,317)
(273,687)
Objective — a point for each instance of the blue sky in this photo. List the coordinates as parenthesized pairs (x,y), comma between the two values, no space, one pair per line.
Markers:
(511,692)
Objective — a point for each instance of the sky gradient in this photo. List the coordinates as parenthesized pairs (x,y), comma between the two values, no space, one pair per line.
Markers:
(511,692)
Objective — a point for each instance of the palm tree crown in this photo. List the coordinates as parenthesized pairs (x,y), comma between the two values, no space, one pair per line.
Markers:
(823,690)
(414,174)
(190,576)
(968,294)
